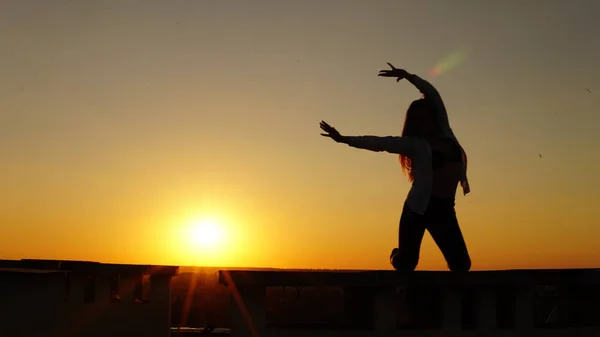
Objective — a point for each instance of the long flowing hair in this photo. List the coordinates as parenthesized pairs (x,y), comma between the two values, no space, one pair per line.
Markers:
(411,128)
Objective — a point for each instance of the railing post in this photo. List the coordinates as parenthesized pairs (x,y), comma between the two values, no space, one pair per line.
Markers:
(248,317)
(103,290)
(127,284)
(524,319)
(486,308)
(385,308)
(77,289)
(159,308)
(452,319)
(358,307)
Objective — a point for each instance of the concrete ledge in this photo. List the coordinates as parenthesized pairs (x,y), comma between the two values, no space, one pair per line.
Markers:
(28,271)
(88,267)
(380,278)
(434,333)
(480,303)
(53,298)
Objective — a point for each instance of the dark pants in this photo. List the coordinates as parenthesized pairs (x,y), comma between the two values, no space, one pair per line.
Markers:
(441,222)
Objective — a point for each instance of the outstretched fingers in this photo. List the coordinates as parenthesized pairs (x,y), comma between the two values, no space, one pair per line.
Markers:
(398,73)
(330,131)
(387,71)
(325,127)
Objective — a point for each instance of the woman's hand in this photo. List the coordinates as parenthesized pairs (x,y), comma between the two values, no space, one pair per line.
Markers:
(394,72)
(331,132)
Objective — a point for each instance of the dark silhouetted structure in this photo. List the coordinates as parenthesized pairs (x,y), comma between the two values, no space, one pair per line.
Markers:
(49,298)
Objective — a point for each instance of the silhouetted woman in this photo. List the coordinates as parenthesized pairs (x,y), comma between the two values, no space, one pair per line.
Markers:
(435,163)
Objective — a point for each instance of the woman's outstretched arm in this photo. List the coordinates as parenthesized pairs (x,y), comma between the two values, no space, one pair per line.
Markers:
(398,145)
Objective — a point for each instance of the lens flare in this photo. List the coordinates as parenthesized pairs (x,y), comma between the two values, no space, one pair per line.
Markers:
(448,63)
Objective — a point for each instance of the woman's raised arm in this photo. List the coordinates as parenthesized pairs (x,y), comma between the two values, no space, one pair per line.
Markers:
(428,90)
(431,93)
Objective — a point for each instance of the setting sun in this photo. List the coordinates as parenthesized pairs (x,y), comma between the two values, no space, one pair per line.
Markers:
(207,236)
(207,233)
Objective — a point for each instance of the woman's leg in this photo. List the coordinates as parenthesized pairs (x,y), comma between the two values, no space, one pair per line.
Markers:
(410,236)
(446,233)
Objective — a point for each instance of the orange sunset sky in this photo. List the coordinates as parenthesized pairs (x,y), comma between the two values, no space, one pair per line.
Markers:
(128,125)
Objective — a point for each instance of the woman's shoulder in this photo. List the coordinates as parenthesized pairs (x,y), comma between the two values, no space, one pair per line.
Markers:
(416,140)
(421,145)
(443,144)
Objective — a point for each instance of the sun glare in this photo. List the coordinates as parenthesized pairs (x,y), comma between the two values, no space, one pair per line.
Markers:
(205,239)
(207,233)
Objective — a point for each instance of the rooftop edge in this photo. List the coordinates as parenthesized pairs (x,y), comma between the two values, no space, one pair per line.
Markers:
(87,267)
(393,278)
